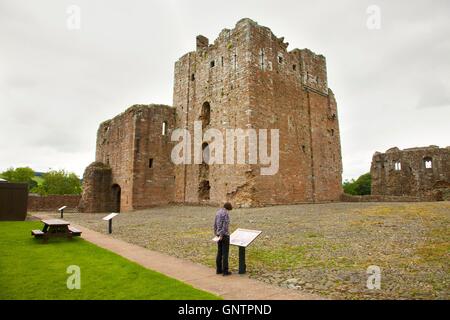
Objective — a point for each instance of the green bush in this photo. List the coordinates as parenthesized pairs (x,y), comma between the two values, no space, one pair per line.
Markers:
(59,182)
(20,175)
(360,186)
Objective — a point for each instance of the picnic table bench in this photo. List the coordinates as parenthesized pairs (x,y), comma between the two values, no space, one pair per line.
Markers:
(54,228)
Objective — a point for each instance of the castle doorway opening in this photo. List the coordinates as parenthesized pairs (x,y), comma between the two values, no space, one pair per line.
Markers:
(116,193)
(203,190)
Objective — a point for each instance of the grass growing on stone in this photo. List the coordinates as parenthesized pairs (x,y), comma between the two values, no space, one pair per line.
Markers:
(32,270)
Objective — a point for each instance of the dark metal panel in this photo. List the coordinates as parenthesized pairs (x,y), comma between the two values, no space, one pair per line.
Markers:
(13,201)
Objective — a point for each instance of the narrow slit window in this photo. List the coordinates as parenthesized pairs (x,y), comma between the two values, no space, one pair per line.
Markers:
(428,162)
(398,166)
(261,59)
(164,128)
(212,64)
(138,145)
(205,116)
(150,163)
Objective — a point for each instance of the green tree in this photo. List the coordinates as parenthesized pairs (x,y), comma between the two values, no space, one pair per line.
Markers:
(349,187)
(59,182)
(20,175)
(363,184)
(360,186)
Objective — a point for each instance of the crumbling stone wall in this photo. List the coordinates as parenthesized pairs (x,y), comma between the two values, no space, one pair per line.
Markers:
(133,168)
(97,193)
(53,202)
(153,170)
(250,80)
(246,79)
(413,172)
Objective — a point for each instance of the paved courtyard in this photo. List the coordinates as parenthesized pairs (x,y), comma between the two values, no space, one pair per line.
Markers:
(322,249)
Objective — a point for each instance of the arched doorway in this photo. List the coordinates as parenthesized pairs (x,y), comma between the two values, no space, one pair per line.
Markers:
(116,193)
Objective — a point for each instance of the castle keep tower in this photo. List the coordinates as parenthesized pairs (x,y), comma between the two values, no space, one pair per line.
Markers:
(248,79)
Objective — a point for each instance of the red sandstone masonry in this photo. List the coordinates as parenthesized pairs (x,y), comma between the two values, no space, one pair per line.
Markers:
(133,169)
(53,202)
(246,79)
(250,80)
(404,172)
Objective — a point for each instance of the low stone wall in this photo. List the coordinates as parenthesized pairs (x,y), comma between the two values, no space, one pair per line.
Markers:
(53,202)
(384,198)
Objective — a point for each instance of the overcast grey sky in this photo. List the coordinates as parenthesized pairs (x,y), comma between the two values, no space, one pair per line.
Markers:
(392,85)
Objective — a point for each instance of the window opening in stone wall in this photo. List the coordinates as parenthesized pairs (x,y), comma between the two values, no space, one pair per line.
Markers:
(212,64)
(294,67)
(398,166)
(204,190)
(116,197)
(205,115)
(193,77)
(206,153)
(261,59)
(428,162)
(150,163)
(280,59)
(138,145)
(164,128)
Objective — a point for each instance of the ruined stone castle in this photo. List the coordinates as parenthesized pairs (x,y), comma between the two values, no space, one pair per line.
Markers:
(245,79)
(418,172)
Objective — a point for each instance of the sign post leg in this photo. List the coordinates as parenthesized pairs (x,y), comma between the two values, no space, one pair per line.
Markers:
(110,226)
(242,266)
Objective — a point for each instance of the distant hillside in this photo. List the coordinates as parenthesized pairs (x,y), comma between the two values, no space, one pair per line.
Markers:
(38,177)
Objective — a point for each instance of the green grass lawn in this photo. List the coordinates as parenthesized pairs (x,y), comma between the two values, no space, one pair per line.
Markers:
(32,270)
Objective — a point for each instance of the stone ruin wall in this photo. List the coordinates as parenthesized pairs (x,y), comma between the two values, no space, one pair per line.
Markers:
(97,183)
(53,202)
(225,87)
(153,170)
(115,149)
(246,79)
(127,146)
(250,80)
(289,92)
(416,172)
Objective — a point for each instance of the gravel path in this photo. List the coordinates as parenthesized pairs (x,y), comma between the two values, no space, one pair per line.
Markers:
(323,249)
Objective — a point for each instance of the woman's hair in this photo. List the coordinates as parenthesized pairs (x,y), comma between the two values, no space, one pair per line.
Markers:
(228,206)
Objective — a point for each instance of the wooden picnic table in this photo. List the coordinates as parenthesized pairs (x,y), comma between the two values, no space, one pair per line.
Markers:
(54,228)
